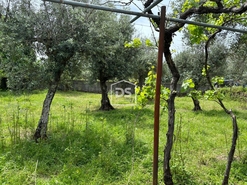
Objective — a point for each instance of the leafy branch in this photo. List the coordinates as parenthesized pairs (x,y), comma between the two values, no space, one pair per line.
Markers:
(220,102)
(147,93)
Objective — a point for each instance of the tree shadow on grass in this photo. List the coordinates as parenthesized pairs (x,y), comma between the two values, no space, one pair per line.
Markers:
(73,157)
(210,113)
(72,93)
(221,113)
(141,118)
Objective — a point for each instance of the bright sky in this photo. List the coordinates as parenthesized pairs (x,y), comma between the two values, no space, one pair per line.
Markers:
(144,29)
(142,24)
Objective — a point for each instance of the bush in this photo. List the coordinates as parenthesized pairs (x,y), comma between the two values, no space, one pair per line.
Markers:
(236,93)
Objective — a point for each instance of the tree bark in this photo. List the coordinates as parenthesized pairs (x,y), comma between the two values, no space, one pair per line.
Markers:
(197,106)
(43,122)
(171,109)
(105,102)
(233,147)
(42,125)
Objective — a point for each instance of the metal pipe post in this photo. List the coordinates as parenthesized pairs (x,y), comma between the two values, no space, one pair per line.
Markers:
(157,96)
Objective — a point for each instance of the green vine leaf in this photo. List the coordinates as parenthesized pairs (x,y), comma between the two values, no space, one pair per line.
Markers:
(217,79)
(136,43)
(196,34)
(204,70)
(147,93)
(213,95)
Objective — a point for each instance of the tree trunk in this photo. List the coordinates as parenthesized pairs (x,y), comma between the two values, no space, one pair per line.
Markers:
(171,109)
(105,102)
(169,143)
(141,81)
(197,106)
(233,147)
(3,84)
(42,125)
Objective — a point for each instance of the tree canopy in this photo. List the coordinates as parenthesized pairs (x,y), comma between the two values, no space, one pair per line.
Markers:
(107,57)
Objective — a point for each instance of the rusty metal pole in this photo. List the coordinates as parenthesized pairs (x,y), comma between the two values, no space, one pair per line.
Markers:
(157,96)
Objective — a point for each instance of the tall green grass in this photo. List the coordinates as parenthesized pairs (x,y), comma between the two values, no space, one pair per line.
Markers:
(87,146)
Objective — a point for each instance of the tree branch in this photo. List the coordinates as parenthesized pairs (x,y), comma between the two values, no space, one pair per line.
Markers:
(206,10)
(229,112)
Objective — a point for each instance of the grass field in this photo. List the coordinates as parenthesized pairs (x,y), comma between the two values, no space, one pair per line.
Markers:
(87,146)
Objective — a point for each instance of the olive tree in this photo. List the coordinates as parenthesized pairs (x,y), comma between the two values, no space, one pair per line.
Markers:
(56,32)
(18,61)
(237,60)
(108,59)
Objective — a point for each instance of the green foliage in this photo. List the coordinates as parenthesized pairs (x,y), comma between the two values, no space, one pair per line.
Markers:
(191,60)
(147,92)
(210,4)
(237,60)
(40,43)
(136,43)
(213,95)
(2,73)
(199,34)
(237,93)
(196,94)
(218,80)
(107,58)
(196,34)
(148,43)
(146,57)
(188,84)
(189,87)
(20,67)
(189,4)
(204,70)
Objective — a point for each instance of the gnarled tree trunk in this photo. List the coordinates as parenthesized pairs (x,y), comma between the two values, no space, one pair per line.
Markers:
(171,109)
(233,146)
(197,106)
(105,102)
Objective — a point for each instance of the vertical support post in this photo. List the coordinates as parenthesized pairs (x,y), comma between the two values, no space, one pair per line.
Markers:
(157,96)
